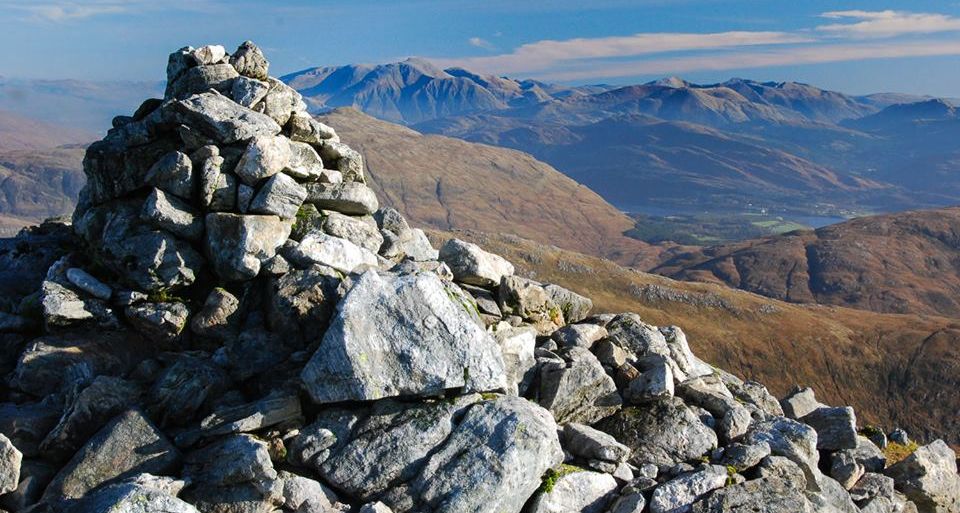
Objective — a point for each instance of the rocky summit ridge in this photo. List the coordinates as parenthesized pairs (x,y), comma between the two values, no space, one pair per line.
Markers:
(232,324)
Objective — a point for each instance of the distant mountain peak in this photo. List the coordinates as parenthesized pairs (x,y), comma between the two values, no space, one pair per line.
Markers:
(674,82)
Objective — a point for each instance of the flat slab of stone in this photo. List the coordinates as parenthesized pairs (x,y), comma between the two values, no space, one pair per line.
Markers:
(401,335)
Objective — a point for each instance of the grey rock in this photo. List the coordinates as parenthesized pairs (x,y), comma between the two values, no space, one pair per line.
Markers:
(299,491)
(577,390)
(872,485)
(50,363)
(734,424)
(223,197)
(575,307)
(231,460)
(304,128)
(209,175)
(318,248)
(472,265)
(492,461)
(836,427)
(305,163)
(239,244)
(144,258)
(327,435)
(160,322)
(486,302)
(417,246)
(130,444)
(209,54)
(249,61)
(280,196)
(27,424)
(245,195)
(754,393)
(654,382)
(183,389)
(347,161)
(929,478)
(756,496)
(516,347)
(831,497)
(639,338)
(375,507)
(580,335)
(899,436)
(88,283)
(221,118)
(587,443)
(35,475)
(200,79)
(629,502)
(129,497)
(678,494)
(265,156)
(709,393)
(790,439)
(390,446)
(611,355)
(743,457)
(868,455)
(391,220)
(64,308)
(799,403)
(845,469)
(680,353)
(248,91)
(577,492)
(281,101)
(10,460)
(401,335)
(528,299)
(350,198)
(105,398)
(172,214)
(361,231)
(254,416)
(219,317)
(302,302)
(664,432)
(179,62)
(263,496)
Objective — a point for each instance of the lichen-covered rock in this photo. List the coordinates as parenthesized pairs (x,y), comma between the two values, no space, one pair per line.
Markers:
(579,491)
(929,478)
(362,231)
(160,322)
(318,248)
(130,444)
(574,307)
(351,198)
(578,389)
(401,336)
(219,117)
(679,493)
(280,196)
(517,347)
(302,303)
(249,61)
(492,462)
(103,399)
(836,427)
(132,496)
(790,439)
(799,403)
(588,443)
(664,432)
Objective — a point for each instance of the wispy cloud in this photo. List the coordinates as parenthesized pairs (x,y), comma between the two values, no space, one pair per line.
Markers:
(60,11)
(888,23)
(854,35)
(543,55)
(480,42)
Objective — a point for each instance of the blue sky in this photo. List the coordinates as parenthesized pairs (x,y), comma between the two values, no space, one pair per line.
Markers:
(852,46)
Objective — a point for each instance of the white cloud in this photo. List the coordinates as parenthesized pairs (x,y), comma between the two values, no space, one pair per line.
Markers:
(59,11)
(543,55)
(887,23)
(479,42)
(811,54)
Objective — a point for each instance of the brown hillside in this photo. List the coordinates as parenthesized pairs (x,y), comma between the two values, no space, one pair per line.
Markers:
(20,133)
(447,183)
(894,369)
(898,263)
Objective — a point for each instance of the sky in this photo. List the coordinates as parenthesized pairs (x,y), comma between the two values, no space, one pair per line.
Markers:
(852,46)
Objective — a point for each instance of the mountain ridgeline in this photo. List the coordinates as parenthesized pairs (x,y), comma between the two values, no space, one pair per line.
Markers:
(673,145)
(232,323)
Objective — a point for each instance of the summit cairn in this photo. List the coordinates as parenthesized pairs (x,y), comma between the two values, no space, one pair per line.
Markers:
(232,323)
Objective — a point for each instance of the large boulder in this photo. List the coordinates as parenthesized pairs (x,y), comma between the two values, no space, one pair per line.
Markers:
(577,389)
(928,477)
(664,432)
(130,444)
(492,462)
(472,265)
(401,335)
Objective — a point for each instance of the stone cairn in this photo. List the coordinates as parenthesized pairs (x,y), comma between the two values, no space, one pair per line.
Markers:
(231,324)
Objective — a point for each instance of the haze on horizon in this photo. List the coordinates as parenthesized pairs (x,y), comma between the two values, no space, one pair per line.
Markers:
(856,47)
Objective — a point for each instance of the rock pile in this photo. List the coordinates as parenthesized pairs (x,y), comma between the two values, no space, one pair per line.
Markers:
(232,324)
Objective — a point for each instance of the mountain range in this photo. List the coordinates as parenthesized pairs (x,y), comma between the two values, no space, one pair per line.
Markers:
(673,145)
